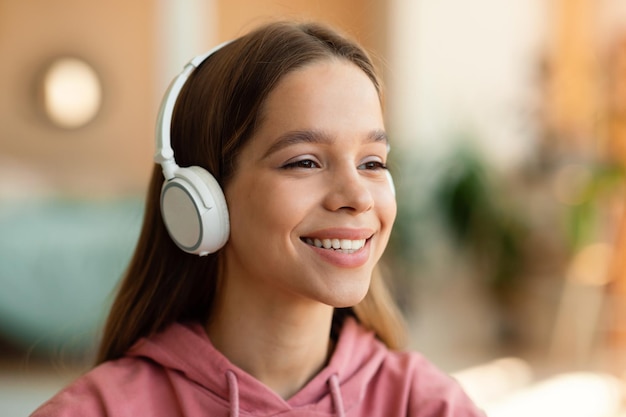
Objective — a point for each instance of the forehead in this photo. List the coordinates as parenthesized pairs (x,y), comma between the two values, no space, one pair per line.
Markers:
(332,95)
(338,73)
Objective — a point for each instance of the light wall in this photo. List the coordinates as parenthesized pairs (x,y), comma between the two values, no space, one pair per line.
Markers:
(465,68)
(362,19)
(108,156)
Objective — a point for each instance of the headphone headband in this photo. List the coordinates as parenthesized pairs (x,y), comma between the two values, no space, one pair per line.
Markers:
(164,153)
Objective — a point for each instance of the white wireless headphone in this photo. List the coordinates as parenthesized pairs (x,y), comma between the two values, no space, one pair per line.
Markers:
(193,205)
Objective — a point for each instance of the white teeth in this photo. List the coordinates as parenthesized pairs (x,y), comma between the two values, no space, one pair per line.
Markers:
(358,244)
(343,244)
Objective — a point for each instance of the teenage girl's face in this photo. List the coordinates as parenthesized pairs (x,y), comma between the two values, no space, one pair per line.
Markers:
(311,207)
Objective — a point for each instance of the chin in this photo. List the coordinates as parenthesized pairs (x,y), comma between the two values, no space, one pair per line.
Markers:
(348,297)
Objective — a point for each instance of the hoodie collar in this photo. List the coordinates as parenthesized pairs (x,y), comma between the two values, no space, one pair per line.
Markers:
(337,388)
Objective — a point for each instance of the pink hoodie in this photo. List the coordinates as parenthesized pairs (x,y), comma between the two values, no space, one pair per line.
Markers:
(179,373)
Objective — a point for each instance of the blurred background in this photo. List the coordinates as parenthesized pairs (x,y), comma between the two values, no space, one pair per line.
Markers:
(508,129)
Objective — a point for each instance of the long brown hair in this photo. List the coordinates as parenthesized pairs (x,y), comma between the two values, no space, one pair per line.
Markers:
(215,115)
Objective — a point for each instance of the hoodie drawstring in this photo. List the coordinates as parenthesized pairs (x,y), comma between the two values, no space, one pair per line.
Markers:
(335,393)
(233,393)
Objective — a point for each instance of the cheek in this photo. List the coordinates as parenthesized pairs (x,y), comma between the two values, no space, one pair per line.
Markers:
(387,209)
(387,206)
(393,210)
(265,205)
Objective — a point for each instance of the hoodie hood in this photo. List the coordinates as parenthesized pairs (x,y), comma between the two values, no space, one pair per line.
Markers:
(186,349)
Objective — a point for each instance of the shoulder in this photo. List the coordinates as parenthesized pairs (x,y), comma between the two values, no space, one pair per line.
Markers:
(429,391)
(113,388)
(395,383)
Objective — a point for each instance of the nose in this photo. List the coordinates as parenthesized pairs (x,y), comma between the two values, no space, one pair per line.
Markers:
(350,191)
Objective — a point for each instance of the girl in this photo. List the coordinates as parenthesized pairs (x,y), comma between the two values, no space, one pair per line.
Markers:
(282,314)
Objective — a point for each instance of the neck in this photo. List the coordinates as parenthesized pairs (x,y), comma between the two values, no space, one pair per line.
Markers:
(248,328)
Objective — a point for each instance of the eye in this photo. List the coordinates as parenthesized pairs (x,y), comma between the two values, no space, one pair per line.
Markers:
(301,164)
(372,165)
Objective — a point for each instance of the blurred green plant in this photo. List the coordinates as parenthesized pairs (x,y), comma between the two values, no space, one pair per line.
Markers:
(483,219)
(457,200)
(604,182)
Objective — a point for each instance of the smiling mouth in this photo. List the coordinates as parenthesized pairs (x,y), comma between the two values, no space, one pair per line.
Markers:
(336,244)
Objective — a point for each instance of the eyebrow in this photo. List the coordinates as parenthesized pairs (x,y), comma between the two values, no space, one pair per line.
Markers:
(316,136)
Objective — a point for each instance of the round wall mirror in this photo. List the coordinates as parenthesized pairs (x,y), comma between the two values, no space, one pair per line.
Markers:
(72,93)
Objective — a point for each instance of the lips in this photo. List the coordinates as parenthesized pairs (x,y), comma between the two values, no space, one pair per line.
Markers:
(345,248)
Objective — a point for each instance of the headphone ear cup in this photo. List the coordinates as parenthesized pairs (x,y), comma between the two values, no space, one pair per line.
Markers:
(194,211)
